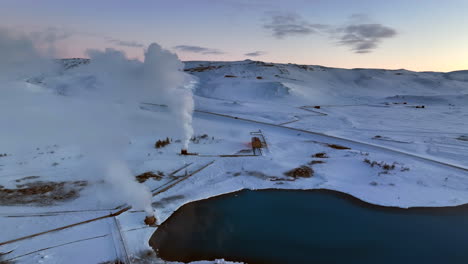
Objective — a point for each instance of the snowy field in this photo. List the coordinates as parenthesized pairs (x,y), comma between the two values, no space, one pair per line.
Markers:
(393,138)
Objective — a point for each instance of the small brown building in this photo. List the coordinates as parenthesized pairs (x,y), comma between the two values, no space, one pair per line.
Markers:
(256,145)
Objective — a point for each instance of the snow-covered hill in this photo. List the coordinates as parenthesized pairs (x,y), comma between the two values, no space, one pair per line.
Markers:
(255,80)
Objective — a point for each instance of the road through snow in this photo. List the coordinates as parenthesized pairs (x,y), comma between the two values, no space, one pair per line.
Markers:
(325,136)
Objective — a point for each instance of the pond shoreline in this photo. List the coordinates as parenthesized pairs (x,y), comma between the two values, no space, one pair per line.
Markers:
(215,223)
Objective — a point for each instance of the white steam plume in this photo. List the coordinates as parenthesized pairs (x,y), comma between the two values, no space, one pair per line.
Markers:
(173,86)
(90,106)
(158,79)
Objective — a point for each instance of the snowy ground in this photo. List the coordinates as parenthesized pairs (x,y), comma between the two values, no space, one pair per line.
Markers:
(370,112)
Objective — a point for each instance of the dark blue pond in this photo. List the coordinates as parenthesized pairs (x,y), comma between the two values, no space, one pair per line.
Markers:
(318,226)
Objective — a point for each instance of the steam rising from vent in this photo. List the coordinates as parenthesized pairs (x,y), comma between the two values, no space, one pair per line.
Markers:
(139,196)
(91,106)
(172,80)
(158,79)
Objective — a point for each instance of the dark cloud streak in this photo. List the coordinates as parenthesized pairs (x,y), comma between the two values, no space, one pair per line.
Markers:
(198,49)
(291,24)
(364,38)
(359,34)
(255,54)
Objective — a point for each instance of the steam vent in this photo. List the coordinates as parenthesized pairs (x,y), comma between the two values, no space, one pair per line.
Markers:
(150,220)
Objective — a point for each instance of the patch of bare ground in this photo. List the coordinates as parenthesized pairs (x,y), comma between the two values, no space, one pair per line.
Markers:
(162,143)
(300,172)
(313,162)
(41,193)
(204,138)
(336,146)
(320,155)
(386,167)
(27,178)
(203,68)
(257,174)
(292,175)
(280,180)
(380,164)
(158,175)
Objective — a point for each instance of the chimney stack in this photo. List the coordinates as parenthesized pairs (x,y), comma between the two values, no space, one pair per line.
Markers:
(183,152)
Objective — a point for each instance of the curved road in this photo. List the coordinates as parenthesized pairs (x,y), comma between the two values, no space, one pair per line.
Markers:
(325,136)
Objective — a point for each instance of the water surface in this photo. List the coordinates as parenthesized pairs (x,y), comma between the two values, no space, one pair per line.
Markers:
(317,226)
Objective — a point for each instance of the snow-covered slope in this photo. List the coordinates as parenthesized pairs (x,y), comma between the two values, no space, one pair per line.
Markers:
(255,80)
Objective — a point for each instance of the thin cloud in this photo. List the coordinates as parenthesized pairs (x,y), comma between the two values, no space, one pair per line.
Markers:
(51,34)
(47,39)
(123,43)
(255,54)
(364,38)
(359,18)
(198,49)
(291,24)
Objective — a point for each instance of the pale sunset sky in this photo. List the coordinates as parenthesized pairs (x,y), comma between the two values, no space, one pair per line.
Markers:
(420,35)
